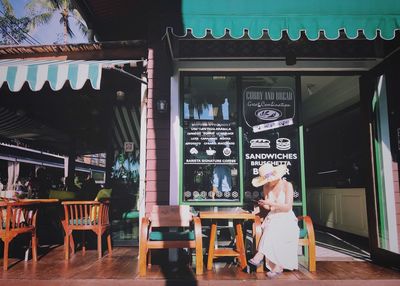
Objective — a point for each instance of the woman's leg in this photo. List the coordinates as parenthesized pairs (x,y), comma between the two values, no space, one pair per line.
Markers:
(273,267)
(258,257)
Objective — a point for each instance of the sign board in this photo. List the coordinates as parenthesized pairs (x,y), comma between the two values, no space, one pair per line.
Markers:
(210,142)
(270,135)
(211,159)
(266,108)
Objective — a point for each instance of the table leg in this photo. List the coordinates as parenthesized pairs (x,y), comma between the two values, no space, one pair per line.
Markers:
(211,247)
(240,244)
(257,232)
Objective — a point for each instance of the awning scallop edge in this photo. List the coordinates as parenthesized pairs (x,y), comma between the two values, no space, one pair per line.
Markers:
(373,18)
(36,72)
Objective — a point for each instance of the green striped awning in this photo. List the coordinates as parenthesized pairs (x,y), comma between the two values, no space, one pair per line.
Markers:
(15,72)
(331,17)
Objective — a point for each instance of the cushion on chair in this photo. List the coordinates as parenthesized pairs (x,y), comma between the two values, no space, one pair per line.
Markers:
(86,221)
(130,215)
(303,233)
(103,194)
(170,236)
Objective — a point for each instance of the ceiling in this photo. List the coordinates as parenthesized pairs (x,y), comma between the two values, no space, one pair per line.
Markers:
(323,96)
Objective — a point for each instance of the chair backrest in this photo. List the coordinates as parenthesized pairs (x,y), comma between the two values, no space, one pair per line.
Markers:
(18,216)
(164,216)
(90,213)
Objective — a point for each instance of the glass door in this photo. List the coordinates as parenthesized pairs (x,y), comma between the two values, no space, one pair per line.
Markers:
(384,129)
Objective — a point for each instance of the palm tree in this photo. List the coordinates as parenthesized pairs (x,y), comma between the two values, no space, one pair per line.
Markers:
(8,8)
(42,11)
(13,30)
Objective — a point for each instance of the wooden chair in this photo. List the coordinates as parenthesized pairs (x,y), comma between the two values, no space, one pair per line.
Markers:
(151,237)
(307,239)
(17,218)
(84,216)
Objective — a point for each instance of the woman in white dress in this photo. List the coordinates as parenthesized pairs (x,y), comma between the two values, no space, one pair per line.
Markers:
(280,237)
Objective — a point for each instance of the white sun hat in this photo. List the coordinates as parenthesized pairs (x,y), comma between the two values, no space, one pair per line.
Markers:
(268,173)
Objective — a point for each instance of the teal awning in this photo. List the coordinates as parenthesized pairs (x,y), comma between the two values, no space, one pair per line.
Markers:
(372,17)
(15,72)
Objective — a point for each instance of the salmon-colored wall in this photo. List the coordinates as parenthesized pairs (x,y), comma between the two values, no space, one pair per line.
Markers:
(397,197)
(158,125)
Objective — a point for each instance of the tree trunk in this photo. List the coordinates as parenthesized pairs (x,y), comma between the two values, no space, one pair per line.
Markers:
(65,24)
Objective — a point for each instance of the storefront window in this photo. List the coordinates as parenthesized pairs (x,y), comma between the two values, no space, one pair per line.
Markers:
(210,140)
(231,126)
(270,130)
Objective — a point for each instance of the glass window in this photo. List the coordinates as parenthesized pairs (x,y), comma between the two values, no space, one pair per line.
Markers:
(210,140)
(216,110)
(270,130)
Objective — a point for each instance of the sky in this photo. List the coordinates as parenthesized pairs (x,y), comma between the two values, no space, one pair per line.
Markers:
(51,33)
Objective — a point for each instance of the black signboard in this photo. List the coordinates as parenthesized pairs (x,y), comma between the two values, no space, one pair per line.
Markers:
(270,135)
(210,142)
(210,162)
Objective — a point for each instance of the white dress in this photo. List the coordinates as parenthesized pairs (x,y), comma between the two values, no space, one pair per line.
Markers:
(280,237)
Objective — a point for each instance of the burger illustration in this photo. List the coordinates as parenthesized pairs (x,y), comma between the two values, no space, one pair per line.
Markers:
(283,144)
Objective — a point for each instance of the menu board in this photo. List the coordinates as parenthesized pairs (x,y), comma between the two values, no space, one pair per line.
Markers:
(210,162)
(270,135)
(210,142)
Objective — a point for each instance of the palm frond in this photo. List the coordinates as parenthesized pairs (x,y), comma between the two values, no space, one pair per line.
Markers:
(75,13)
(82,27)
(71,5)
(57,3)
(40,19)
(8,8)
(80,22)
(39,5)
(41,12)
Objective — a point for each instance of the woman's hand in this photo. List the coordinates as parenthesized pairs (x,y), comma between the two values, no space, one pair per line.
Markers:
(264,204)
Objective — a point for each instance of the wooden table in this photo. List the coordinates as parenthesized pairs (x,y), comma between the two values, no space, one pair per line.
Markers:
(41,201)
(238,218)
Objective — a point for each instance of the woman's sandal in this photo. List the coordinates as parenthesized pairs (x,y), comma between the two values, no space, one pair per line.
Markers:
(255,263)
(273,274)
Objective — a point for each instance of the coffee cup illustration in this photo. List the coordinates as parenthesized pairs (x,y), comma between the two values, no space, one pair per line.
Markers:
(210,151)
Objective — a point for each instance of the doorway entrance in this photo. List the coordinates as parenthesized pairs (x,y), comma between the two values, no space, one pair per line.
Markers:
(335,165)
(382,104)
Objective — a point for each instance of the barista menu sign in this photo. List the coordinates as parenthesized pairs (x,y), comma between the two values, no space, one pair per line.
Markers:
(270,135)
(268,108)
(210,142)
